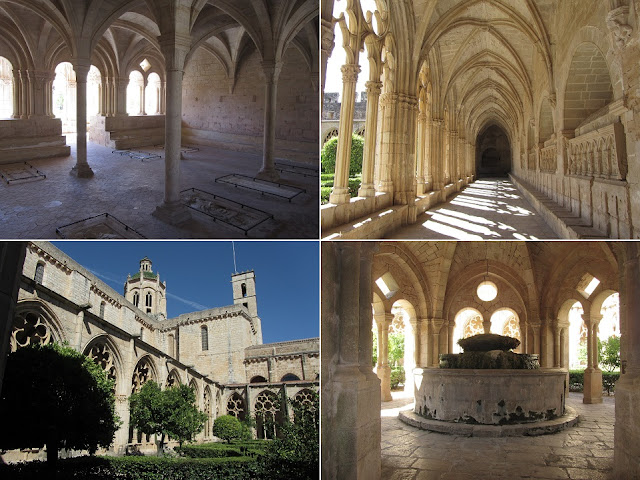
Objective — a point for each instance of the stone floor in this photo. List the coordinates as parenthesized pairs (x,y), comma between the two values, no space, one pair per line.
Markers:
(583,452)
(131,189)
(488,209)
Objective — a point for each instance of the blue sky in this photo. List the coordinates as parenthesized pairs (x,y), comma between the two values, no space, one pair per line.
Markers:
(198,276)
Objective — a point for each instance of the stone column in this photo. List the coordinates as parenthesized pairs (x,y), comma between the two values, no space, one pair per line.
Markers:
(143,97)
(421,148)
(340,191)
(383,321)
(79,328)
(536,340)
(163,97)
(557,358)
(16,94)
(327,45)
(175,48)
(350,390)
(24,94)
(386,152)
(592,374)
(373,99)
(271,71)
(408,372)
(436,325)
(626,462)
(436,155)
(81,168)
(121,85)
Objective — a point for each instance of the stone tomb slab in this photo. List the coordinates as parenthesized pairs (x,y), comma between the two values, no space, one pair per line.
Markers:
(20,172)
(230,212)
(296,169)
(103,226)
(263,186)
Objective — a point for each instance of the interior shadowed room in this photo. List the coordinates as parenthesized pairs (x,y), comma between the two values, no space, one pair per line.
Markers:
(175,118)
(480,360)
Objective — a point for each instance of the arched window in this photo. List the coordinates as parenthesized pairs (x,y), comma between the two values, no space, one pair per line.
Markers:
(244,289)
(258,379)
(204,337)
(135,105)
(268,415)
(136,299)
(102,309)
(6,88)
(141,333)
(39,273)
(236,406)
(290,377)
(148,300)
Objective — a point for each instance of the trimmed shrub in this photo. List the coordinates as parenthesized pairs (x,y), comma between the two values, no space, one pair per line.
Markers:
(609,380)
(328,155)
(250,448)
(324,194)
(488,341)
(397,377)
(227,427)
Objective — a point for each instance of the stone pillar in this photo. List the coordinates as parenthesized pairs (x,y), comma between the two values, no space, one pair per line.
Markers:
(24,94)
(385,153)
(536,340)
(271,72)
(16,94)
(175,48)
(143,97)
(436,155)
(121,85)
(79,328)
(626,462)
(340,191)
(327,45)
(421,148)
(557,358)
(163,97)
(415,357)
(383,321)
(592,374)
(81,168)
(436,325)
(373,99)
(350,390)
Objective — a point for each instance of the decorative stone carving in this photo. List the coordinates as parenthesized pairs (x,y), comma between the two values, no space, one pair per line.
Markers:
(599,153)
(618,24)
(548,156)
(350,73)
(236,406)
(531,162)
(141,375)
(102,355)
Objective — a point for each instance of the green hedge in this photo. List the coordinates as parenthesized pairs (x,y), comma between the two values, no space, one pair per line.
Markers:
(397,377)
(139,468)
(576,381)
(251,448)
(328,155)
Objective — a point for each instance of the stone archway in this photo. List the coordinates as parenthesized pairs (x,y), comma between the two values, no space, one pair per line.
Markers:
(493,152)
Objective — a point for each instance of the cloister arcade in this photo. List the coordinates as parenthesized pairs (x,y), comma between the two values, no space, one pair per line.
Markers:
(460,89)
(541,289)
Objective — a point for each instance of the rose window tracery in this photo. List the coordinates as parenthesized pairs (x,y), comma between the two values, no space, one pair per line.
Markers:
(29,328)
(141,375)
(102,355)
(235,406)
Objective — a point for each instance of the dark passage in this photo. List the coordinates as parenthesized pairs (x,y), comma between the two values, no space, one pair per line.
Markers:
(493,153)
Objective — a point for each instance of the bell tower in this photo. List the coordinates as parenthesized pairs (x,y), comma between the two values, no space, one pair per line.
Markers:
(244,293)
(145,290)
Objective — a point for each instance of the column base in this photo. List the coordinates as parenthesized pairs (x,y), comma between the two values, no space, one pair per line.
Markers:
(592,386)
(384,374)
(270,174)
(626,464)
(367,190)
(339,196)
(172,213)
(81,171)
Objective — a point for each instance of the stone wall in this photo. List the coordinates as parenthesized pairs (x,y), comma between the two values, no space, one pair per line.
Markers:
(29,139)
(231,116)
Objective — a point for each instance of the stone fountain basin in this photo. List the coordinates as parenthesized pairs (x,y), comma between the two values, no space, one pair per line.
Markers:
(489,397)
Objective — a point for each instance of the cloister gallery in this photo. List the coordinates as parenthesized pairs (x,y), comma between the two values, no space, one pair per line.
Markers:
(537,291)
(541,94)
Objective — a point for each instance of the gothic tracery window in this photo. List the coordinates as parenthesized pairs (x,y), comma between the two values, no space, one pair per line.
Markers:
(6,88)
(141,375)
(236,406)
(207,411)
(268,415)
(173,379)
(30,328)
(103,356)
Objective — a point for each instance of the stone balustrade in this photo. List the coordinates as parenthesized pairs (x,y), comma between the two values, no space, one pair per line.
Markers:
(599,153)
(548,159)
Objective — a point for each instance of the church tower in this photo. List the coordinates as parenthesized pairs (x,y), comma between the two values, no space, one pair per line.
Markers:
(244,293)
(145,290)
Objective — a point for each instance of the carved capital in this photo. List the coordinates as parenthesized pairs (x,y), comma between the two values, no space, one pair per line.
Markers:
(328,37)
(373,88)
(271,71)
(618,24)
(350,73)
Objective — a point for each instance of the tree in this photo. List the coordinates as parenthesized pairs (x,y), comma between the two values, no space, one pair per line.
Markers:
(609,352)
(55,396)
(228,427)
(329,151)
(170,413)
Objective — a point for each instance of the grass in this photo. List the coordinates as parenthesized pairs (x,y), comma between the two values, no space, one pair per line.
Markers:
(326,184)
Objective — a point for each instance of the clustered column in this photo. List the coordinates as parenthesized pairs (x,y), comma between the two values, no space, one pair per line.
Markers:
(373,99)
(592,374)
(340,192)
(436,325)
(383,322)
